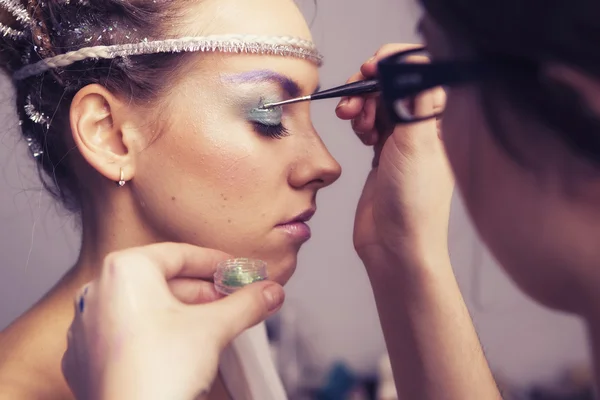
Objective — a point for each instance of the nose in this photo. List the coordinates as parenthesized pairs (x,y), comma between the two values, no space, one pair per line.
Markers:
(316,168)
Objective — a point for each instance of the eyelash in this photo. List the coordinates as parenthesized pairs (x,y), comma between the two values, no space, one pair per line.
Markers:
(271,131)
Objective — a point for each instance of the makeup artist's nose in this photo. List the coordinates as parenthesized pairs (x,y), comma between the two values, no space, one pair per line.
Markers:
(316,168)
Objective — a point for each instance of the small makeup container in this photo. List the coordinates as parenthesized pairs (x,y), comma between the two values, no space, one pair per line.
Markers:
(236,273)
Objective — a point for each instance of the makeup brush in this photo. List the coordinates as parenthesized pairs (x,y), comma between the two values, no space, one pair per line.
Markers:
(350,89)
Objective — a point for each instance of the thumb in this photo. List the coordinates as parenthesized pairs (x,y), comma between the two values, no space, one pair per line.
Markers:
(247,307)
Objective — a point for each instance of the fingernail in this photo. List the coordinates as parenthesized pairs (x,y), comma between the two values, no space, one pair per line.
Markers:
(273,296)
(342,103)
(370,60)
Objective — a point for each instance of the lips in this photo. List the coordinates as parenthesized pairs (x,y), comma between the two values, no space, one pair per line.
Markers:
(296,228)
(303,217)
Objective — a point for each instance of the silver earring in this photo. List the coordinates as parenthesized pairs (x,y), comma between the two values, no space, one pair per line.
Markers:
(121,182)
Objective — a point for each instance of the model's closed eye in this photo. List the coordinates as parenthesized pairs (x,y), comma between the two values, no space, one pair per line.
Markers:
(268,122)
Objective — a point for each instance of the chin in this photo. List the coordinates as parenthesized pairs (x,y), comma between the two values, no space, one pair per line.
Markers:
(283,270)
(550,293)
(540,277)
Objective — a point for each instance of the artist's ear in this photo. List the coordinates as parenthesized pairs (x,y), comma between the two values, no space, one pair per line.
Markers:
(103,132)
(585,84)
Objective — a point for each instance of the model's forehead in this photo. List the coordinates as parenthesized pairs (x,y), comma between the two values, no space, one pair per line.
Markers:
(279,23)
(252,17)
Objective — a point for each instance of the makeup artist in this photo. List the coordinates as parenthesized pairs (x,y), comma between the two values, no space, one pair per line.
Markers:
(521,136)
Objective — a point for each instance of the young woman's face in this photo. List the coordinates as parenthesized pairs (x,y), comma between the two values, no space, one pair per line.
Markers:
(222,175)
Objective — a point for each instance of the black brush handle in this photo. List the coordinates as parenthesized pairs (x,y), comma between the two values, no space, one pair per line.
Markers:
(350,89)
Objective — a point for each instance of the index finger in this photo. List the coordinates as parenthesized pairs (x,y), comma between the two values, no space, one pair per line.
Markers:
(369,69)
(351,107)
(171,259)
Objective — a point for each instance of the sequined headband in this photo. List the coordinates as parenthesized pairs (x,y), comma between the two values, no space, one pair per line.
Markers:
(20,15)
(250,44)
(233,43)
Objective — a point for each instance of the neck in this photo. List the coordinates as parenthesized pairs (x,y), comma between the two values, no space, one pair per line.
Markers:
(109,226)
(114,226)
(34,344)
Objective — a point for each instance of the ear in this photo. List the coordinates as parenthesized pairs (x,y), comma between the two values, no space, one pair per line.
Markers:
(586,85)
(102,132)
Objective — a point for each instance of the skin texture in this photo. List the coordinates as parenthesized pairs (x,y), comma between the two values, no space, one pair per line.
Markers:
(197,171)
(130,325)
(401,235)
(540,222)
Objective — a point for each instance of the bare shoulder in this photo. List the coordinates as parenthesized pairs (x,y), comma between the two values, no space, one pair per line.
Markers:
(17,385)
(13,378)
(31,350)
(12,391)
(13,386)
(21,374)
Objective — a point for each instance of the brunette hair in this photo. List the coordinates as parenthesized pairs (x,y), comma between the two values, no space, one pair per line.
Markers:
(59,26)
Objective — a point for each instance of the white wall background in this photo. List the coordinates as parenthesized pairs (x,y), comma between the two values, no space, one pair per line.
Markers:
(330,292)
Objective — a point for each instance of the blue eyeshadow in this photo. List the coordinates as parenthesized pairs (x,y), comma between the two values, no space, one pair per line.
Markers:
(269,117)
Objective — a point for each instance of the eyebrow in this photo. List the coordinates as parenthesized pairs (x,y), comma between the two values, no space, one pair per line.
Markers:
(290,86)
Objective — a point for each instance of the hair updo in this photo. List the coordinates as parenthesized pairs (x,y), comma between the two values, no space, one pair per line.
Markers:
(43,101)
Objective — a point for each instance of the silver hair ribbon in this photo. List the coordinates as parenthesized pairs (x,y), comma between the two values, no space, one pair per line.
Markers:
(21,15)
(35,115)
(35,147)
(17,10)
(250,44)
(12,33)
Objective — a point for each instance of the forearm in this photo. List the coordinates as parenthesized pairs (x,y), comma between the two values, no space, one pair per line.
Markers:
(433,346)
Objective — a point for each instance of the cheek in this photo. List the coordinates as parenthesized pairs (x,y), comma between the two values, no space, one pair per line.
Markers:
(208,150)
(482,174)
(217,176)
(508,207)
(457,134)
(212,181)
(224,157)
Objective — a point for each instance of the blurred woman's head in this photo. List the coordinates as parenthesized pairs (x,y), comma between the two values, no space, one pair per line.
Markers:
(525,144)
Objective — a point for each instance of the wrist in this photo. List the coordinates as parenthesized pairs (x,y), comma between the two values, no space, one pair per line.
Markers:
(393,271)
(405,258)
(146,386)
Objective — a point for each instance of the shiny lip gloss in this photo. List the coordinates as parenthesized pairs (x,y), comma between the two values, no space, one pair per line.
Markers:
(297,227)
